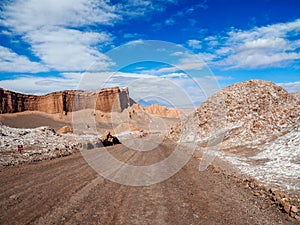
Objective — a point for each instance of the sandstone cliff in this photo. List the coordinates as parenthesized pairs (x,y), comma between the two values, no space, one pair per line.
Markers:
(106,100)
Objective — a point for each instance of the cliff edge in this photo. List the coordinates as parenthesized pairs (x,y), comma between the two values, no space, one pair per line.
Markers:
(107,100)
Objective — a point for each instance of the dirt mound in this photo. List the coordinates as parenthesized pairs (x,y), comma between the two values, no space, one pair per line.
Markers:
(246,113)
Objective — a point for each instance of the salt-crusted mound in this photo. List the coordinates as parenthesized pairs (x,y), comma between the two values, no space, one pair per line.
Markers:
(38,144)
(246,113)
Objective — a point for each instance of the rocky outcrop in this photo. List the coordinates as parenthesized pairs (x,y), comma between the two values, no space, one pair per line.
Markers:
(162,111)
(106,100)
(65,130)
(154,110)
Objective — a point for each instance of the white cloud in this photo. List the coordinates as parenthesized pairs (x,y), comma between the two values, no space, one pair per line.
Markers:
(219,78)
(183,66)
(26,16)
(185,61)
(68,49)
(264,44)
(259,60)
(271,46)
(174,75)
(12,62)
(291,86)
(267,46)
(57,30)
(196,44)
(41,85)
(52,28)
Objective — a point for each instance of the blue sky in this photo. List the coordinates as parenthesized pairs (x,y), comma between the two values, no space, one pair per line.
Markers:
(197,47)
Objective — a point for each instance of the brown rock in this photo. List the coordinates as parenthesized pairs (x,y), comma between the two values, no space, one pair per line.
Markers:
(65,130)
(108,139)
(286,206)
(106,100)
(13,197)
(256,193)
(294,209)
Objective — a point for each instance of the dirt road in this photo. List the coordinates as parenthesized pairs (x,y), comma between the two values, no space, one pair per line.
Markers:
(68,191)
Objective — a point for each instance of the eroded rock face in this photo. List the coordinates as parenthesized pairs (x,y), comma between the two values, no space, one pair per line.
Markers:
(162,111)
(106,100)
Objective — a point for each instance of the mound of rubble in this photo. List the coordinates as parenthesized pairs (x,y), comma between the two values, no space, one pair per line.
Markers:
(18,146)
(37,144)
(253,125)
(245,114)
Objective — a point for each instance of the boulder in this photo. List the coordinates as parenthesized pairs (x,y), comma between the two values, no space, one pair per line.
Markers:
(65,130)
(108,139)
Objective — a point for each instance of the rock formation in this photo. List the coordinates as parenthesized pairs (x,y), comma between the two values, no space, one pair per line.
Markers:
(162,111)
(65,130)
(245,113)
(106,100)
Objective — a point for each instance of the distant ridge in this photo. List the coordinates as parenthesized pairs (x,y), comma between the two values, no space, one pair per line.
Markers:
(106,100)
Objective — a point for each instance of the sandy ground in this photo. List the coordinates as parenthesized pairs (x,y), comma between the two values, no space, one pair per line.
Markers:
(68,191)
(103,121)
(33,120)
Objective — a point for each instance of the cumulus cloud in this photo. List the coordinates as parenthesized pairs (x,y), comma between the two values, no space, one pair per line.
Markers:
(25,16)
(58,31)
(52,29)
(68,49)
(267,46)
(12,62)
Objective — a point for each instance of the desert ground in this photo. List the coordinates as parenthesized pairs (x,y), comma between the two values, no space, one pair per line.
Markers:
(67,191)
(252,179)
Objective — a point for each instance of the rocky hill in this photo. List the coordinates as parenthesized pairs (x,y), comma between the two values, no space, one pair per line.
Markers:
(106,100)
(245,113)
(253,125)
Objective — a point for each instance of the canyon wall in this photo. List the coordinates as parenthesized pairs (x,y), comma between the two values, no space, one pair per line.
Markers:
(106,100)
